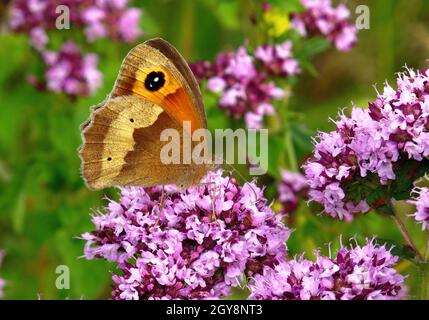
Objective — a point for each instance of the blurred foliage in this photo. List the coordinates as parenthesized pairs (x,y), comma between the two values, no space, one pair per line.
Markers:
(44,204)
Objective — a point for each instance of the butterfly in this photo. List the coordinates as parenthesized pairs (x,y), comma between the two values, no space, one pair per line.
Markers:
(155,90)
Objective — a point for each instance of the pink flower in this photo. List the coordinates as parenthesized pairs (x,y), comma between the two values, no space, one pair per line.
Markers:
(358,273)
(188,250)
(39,38)
(291,189)
(216,84)
(128,25)
(372,143)
(422,207)
(278,60)
(242,82)
(321,18)
(99,19)
(70,72)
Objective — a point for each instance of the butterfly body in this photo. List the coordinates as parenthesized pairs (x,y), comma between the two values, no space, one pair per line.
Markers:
(155,91)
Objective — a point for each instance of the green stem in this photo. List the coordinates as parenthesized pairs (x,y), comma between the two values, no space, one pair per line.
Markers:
(187,31)
(426,254)
(424,273)
(293,163)
(407,235)
(424,281)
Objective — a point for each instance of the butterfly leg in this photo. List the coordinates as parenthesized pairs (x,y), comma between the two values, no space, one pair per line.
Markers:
(161,207)
(211,186)
(212,191)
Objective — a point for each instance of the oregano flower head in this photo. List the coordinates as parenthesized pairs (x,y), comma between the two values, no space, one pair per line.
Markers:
(376,153)
(202,243)
(356,273)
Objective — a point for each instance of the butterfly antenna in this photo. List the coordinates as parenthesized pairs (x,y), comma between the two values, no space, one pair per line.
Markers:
(240,175)
(229,180)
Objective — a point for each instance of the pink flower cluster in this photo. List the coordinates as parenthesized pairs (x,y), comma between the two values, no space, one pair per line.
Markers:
(111,18)
(320,18)
(202,243)
(242,81)
(278,60)
(99,18)
(291,189)
(371,144)
(422,207)
(359,273)
(71,72)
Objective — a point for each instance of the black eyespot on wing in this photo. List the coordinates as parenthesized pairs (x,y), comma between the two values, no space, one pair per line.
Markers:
(154,81)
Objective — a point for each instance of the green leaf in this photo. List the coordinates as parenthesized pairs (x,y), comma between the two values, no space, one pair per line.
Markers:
(18,213)
(370,190)
(309,67)
(301,137)
(379,199)
(409,171)
(358,190)
(289,5)
(375,195)
(386,209)
(226,13)
(311,47)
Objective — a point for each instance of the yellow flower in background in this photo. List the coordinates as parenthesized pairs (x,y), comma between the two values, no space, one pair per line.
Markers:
(277,20)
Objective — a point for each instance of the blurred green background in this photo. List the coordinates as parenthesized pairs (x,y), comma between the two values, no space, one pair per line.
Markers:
(44,204)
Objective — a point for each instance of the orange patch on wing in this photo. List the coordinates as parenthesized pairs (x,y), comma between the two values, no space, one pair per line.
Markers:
(172,97)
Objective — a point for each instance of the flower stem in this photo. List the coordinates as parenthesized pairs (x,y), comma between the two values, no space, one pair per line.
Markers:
(424,273)
(407,236)
(426,254)
(293,163)
(424,281)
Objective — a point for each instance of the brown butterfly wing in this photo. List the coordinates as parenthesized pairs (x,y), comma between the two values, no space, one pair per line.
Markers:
(180,96)
(182,66)
(122,146)
(122,142)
